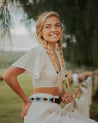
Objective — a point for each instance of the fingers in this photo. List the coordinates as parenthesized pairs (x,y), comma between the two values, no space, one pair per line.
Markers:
(67,98)
(23,114)
(25,110)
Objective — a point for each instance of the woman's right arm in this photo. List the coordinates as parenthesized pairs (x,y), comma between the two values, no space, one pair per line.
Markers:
(10,77)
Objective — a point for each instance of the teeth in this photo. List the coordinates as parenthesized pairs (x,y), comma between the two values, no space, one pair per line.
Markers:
(53,35)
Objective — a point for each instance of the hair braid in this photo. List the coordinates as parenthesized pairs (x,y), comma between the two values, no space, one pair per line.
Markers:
(61,55)
(62,59)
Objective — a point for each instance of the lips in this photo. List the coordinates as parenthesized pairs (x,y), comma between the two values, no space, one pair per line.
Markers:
(54,35)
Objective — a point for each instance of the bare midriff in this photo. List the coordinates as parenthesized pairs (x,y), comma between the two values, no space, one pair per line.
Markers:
(47,90)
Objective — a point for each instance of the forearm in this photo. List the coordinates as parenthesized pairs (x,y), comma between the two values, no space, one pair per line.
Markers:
(13,83)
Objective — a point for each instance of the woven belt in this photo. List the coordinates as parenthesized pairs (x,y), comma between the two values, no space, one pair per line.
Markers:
(44,99)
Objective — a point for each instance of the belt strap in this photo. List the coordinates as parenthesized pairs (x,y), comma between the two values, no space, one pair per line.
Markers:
(45,99)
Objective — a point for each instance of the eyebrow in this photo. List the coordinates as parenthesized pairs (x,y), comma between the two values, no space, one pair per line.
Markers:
(50,24)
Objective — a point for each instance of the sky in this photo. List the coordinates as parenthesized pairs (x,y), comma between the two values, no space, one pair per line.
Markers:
(22,38)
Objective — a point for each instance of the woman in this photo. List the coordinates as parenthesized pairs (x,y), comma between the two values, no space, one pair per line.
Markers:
(46,67)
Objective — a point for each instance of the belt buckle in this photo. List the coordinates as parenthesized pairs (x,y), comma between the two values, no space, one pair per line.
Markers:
(51,100)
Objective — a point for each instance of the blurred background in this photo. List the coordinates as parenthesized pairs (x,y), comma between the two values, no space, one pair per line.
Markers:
(17,35)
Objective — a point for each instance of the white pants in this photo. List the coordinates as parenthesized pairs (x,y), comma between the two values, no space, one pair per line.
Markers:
(45,112)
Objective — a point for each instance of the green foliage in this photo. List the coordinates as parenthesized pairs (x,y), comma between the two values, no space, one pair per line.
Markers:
(7,58)
(3,62)
(10,103)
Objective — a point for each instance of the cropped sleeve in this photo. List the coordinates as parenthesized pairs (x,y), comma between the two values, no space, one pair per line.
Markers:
(32,62)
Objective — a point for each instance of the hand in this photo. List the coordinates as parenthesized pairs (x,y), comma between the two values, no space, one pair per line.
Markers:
(67,98)
(25,109)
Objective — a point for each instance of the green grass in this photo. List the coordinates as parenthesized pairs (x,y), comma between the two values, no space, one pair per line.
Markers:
(10,103)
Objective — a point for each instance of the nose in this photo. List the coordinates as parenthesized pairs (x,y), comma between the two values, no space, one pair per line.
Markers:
(53,28)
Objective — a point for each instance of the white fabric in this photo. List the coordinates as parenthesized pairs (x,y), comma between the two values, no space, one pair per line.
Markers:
(37,64)
(85,101)
(33,61)
(81,107)
(89,81)
(75,79)
(41,112)
(85,84)
(69,107)
(84,93)
(78,106)
(88,86)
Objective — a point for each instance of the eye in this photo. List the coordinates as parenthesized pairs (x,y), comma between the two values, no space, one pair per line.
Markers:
(58,25)
(46,27)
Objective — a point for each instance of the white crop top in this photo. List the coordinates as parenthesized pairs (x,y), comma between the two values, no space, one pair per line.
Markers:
(37,64)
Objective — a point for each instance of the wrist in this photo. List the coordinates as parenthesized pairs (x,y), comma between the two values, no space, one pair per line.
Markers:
(26,101)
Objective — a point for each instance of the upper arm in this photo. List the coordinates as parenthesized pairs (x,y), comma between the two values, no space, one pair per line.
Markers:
(12,72)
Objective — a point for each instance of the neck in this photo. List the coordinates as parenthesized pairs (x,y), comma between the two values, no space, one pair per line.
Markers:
(52,46)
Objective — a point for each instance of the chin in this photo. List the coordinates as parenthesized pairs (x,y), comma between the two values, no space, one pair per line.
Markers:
(54,41)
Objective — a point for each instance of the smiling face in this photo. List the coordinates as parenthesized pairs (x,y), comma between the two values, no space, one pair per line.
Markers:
(52,29)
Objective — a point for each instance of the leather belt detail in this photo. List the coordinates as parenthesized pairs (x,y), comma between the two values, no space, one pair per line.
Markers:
(45,99)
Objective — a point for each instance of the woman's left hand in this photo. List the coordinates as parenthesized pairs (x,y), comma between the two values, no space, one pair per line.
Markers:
(67,97)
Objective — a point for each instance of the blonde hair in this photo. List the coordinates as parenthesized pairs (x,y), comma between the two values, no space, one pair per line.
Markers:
(39,26)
